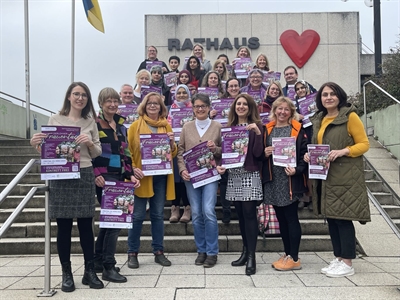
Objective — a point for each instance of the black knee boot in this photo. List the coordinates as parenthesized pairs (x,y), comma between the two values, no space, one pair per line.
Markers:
(90,278)
(242,259)
(68,284)
(251,264)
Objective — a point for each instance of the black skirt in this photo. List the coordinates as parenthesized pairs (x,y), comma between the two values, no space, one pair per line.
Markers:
(73,198)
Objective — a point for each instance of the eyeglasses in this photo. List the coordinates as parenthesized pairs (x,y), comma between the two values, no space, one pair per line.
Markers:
(274,90)
(255,77)
(197,107)
(113,101)
(300,88)
(152,103)
(78,95)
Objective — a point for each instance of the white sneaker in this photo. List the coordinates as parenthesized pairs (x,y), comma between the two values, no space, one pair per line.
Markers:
(332,264)
(340,270)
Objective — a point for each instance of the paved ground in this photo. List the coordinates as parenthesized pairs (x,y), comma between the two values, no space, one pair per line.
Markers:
(21,277)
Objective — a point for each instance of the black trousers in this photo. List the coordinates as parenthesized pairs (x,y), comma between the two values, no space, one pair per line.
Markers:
(343,238)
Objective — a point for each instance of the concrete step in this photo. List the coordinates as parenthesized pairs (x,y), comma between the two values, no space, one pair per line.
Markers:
(15,168)
(18,150)
(32,178)
(369,174)
(384,198)
(13,201)
(393,211)
(175,244)
(17,159)
(22,189)
(15,142)
(34,230)
(375,186)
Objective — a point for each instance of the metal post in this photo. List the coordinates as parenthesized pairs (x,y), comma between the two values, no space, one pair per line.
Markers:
(27,80)
(377,37)
(47,291)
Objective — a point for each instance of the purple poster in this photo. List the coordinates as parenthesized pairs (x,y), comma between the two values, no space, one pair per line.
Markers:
(222,106)
(271,76)
(170,78)
(256,95)
(117,204)
(235,141)
(201,165)
(129,112)
(265,118)
(179,117)
(150,64)
(211,92)
(145,89)
(229,68)
(319,164)
(284,154)
(243,66)
(307,108)
(156,154)
(60,155)
(291,92)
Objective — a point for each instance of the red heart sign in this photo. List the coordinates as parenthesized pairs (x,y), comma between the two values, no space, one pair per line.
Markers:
(300,47)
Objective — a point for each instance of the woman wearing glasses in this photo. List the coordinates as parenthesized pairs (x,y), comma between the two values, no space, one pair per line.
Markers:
(155,189)
(255,88)
(73,198)
(202,199)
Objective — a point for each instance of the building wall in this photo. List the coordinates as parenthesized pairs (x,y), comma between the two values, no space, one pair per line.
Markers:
(337,57)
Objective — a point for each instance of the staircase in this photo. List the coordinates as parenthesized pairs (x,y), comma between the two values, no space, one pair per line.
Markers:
(26,235)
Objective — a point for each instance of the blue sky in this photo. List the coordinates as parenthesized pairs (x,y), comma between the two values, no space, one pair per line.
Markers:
(115,56)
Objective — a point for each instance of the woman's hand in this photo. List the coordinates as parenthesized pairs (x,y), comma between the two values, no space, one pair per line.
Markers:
(213,113)
(136,182)
(211,145)
(290,171)
(171,138)
(268,151)
(338,153)
(37,139)
(253,127)
(301,117)
(306,157)
(84,139)
(138,173)
(99,181)
(185,175)
(221,170)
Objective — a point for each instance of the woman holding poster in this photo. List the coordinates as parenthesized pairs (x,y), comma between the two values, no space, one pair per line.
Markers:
(336,124)
(114,164)
(73,198)
(158,188)
(284,186)
(202,199)
(244,183)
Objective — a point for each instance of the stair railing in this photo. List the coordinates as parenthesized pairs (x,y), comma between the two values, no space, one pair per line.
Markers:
(47,291)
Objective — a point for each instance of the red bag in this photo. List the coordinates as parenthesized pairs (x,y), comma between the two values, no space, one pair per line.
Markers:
(268,224)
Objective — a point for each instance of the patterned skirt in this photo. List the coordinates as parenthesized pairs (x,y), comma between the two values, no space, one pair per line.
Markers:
(73,198)
(244,185)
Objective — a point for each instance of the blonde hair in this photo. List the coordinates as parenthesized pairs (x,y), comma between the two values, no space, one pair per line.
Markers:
(203,53)
(293,114)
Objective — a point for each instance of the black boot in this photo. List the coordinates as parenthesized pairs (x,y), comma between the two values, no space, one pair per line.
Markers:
(68,284)
(242,259)
(251,264)
(90,278)
(111,274)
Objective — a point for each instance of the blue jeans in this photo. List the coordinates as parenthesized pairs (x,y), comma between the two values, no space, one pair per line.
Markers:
(204,219)
(156,217)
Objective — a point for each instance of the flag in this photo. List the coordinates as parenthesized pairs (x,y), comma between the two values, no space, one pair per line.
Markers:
(93,14)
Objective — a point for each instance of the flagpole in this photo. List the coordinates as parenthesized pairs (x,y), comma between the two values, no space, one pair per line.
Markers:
(72,41)
(27,80)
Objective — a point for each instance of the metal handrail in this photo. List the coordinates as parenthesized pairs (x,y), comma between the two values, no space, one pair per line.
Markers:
(23,101)
(47,291)
(365,101)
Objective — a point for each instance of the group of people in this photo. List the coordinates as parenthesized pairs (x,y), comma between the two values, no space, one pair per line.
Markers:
(109,152)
